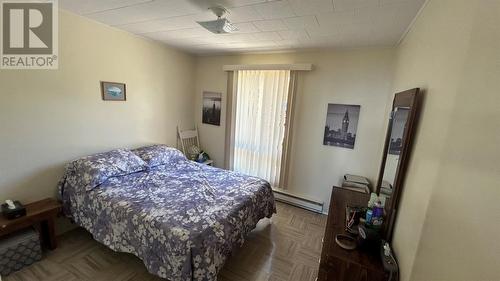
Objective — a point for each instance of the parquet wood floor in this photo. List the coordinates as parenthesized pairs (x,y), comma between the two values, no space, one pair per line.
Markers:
(287,247)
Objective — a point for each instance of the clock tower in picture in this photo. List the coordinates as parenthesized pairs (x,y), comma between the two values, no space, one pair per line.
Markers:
(345,125)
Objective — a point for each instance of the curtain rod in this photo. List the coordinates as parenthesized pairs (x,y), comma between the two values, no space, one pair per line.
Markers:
(298,67)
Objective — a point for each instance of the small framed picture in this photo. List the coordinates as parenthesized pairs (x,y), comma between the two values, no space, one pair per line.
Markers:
(211,108)
(113,91)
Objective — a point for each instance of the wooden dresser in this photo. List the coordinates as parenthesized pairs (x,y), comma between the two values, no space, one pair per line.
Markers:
(338,264)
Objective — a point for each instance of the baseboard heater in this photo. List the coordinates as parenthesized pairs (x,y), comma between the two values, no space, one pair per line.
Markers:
(298,201)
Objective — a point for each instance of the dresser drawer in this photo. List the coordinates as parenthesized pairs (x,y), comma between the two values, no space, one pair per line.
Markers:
(334,269)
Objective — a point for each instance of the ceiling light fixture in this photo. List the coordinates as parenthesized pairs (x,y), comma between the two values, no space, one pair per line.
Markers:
(220,25)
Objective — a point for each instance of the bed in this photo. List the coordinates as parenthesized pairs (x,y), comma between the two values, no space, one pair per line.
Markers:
(181,218)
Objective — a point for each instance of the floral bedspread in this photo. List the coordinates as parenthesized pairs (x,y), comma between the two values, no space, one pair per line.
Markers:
(183,220)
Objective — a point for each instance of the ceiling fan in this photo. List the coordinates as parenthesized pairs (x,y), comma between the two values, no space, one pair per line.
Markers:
(221,25)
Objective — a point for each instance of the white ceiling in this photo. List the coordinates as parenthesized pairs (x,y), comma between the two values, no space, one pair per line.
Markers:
(263,25)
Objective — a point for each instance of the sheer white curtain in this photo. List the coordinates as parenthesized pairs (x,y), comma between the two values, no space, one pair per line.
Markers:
(261,107)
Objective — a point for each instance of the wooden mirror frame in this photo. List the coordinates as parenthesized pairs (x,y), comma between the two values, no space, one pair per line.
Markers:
(409,99)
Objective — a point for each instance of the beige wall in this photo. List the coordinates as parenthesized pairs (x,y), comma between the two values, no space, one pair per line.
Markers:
(351,77)
(447,227)
(48,118)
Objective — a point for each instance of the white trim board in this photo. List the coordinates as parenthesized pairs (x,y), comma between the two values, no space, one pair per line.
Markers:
(297,67)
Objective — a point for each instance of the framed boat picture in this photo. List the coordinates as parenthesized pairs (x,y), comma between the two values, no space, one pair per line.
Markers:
(113,91)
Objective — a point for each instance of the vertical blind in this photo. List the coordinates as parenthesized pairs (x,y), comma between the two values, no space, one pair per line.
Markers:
(260,122)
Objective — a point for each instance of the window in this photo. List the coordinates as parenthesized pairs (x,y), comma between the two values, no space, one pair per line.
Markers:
(260,123)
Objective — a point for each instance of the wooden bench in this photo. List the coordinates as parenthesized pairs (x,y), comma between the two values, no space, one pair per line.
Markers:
(40,213)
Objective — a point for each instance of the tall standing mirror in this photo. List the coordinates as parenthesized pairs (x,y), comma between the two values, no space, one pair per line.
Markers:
(397,149)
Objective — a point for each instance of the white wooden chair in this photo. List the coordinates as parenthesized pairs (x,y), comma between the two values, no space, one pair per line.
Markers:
(188,139)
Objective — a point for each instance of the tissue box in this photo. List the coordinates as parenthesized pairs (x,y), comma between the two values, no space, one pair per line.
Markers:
(11,214)
(18,250)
